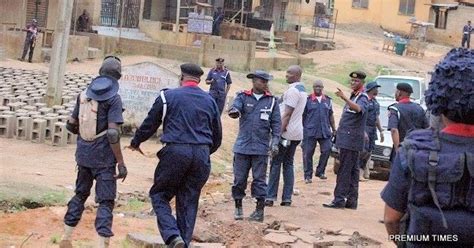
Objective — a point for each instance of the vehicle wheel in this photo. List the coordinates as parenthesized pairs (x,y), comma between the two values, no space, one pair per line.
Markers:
(336,165)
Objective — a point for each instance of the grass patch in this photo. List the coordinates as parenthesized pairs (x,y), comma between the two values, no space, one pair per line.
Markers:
(340,72)
(134,205)
(31,201)
(218,167)
(55,239)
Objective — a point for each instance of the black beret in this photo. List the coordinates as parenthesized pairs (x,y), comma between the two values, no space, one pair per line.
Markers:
(405,87)
(219,60)
(260,74)
(358,74)
(191,70)
(451,89)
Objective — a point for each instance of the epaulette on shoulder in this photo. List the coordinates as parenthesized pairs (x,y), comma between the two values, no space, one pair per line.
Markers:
(328,97)
(393,106)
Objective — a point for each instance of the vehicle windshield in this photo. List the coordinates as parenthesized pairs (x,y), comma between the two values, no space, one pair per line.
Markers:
(389,86)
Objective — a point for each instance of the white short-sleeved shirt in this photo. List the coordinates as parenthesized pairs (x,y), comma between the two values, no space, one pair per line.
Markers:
(294,97)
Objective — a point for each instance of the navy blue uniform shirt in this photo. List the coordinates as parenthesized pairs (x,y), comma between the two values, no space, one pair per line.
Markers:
(191,118)
(98,153)
(395,193)
(406,116)
(221,78)
(258,123)
(350,134)
(316,117)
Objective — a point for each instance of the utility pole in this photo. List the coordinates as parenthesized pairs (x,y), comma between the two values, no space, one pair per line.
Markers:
(178,14)
(57,66)
(242,13)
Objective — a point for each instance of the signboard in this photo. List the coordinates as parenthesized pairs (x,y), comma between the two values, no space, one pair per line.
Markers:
(140,86)
(199,23)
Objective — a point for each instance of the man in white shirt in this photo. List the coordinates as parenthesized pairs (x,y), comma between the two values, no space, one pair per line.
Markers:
(292,107)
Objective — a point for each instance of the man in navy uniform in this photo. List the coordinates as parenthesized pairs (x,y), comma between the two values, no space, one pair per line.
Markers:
(220,81)
(404,116)
(259,133)
(430,190)
(191,132)
(466,35)
(318,127)
(350,141)
(372,125)
(97,159)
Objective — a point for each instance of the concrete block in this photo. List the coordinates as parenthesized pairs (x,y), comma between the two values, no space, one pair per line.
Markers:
(67,99)
(38,99)
(52,115)
(7,126)
(45,111)
(145,240)
(50,127)
(38,131)
(30,108)
(60,136)
(24,126)
(8,112)
(64,112)
(56,108)
(33,113)
(14,106)
(4,108)
(63,118)
(40,105)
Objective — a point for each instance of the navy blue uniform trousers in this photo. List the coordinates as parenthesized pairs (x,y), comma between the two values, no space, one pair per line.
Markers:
(309,145)
(220,100)
(347,182)
(105,190)
(182,172)
(242,165)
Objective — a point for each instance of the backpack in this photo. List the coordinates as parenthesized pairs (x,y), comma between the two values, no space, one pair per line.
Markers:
(88,118)
(441,195)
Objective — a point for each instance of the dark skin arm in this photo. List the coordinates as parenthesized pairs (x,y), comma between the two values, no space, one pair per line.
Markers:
(379,127)
(116,147)
(286,117)
(395,138)
(332,122)
(392,220)
(352,105)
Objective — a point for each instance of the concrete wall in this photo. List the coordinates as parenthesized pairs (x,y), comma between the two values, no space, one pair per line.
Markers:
(452,35)
(14,45)
(153,30)
(13,11)
(239,55)
(384,13)
(78,47)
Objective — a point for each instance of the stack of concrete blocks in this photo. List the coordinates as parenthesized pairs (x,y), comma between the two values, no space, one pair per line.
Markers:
(23,112)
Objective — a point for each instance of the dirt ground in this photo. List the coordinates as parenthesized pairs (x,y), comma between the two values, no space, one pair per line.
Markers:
(29,170)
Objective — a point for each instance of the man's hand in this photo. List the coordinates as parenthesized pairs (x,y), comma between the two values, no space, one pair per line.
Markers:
(134,149)
(234,113)
(209,81)
(274,150)
(381,137)
(366,137)
(340,94)
(122,169)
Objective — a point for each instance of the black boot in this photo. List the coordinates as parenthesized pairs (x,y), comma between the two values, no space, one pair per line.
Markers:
(258,214)
(239,211)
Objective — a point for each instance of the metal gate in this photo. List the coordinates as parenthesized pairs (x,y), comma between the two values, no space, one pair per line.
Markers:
(111,12)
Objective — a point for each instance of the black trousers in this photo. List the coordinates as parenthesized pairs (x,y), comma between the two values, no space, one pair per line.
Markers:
(29,45)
